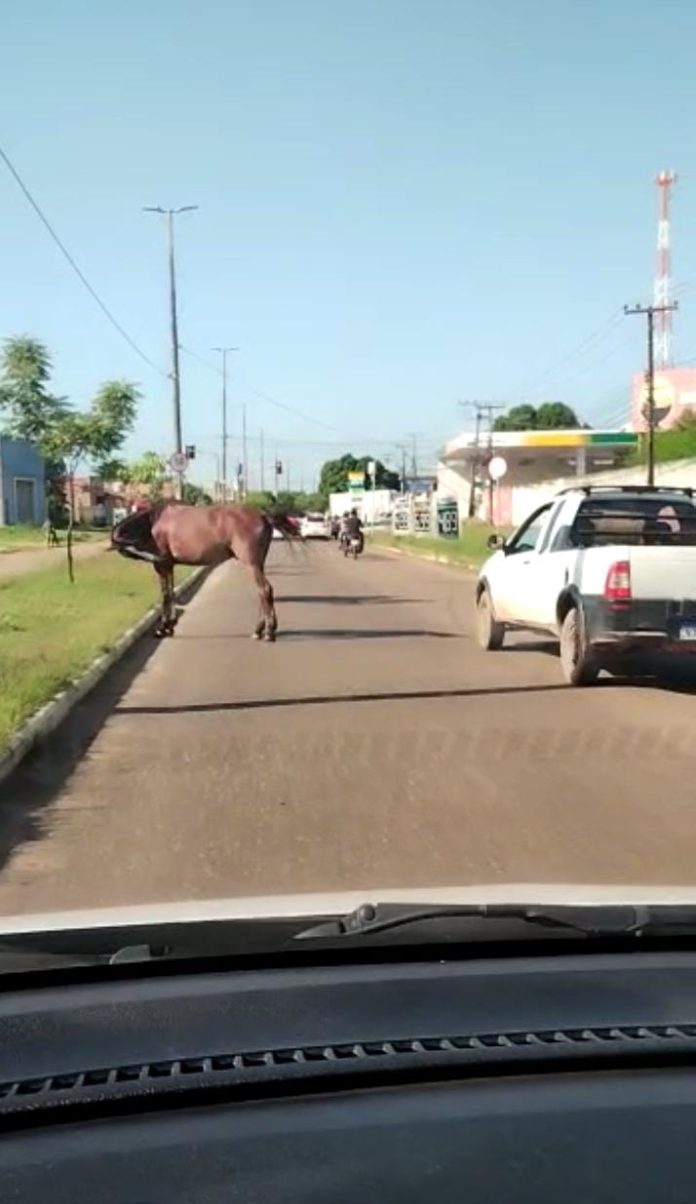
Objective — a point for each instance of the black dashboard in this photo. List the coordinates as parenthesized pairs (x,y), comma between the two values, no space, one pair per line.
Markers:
(565,1075)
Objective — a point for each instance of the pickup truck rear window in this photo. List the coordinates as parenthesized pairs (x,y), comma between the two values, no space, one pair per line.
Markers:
(639,518)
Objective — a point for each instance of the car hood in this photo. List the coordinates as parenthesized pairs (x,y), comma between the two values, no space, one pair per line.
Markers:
(286,907)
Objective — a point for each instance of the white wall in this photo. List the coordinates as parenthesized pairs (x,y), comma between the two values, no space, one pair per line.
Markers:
(527,498)
(451,483)
(371,504)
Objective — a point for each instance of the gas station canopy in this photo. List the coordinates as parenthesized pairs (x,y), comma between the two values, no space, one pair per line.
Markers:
(540,455)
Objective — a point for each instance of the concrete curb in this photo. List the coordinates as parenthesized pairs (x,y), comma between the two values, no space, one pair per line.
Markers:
(53,712)
(465,566)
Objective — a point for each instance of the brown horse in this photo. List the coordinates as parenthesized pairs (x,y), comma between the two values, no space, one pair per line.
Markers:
(170,533)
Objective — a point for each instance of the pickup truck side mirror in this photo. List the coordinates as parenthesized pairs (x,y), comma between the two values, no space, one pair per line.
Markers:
(496,542)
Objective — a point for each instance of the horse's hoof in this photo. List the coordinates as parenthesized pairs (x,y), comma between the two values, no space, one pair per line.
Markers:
(256,635)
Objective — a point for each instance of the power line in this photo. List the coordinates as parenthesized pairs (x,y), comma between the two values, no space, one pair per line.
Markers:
(582,369)
(578,351)
(75,267)
(353,439)
(280,405)
(201,359)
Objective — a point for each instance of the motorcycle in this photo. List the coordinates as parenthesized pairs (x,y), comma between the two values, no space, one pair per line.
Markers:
(352,545)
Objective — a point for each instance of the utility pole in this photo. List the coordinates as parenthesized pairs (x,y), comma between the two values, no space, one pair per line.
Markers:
(480,409)
(649,409)
(474,466)
(262,465)
(170,214)
(414,453)
(223,352)
(245,465)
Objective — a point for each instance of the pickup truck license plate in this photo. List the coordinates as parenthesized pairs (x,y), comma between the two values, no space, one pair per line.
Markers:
(687,631)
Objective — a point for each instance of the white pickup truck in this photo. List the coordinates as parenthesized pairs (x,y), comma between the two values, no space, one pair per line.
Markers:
(610,571)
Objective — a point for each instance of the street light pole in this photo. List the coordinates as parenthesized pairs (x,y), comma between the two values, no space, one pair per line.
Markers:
(170,214)
(223,351)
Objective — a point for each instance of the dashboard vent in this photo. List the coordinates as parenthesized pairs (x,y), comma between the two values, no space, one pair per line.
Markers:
(246,1068)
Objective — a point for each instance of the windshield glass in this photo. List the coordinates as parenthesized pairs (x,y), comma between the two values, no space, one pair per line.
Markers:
(347,449)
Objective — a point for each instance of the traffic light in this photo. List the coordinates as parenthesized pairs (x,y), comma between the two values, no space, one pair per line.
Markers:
(279,468)
(190,451)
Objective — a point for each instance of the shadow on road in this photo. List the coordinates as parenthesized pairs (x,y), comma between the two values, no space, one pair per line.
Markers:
(365,633)
(259,704)
(548,647)
(349,599)
(32,787)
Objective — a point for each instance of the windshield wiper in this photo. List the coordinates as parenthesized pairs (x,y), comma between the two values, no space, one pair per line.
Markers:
(591,921)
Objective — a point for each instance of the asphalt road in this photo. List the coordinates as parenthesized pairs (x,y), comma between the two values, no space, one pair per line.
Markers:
(373,745)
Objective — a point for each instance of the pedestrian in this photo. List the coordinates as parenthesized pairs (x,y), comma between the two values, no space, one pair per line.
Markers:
(52,540)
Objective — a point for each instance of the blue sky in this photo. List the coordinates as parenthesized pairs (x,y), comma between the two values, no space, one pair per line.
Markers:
(402,203)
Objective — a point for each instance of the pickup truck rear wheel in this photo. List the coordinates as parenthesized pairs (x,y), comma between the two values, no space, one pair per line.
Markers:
(490,632)
(580,665)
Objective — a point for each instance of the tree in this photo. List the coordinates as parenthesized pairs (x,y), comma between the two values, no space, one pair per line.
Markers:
(112,416)
(68,442)
(194,495)
(149,471)
(519,418)
(333,477)
(64,436)
(74,437)
(25,371)
(262,499)
(551,415)
(556,415)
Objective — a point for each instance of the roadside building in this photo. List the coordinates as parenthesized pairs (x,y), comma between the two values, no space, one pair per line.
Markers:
(100,503)
(532,459)
(94,501)
(22,482)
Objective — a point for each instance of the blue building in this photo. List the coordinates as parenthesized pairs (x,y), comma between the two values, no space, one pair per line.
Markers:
(22,484)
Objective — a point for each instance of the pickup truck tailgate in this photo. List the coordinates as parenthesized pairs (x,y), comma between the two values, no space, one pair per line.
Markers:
(667,573)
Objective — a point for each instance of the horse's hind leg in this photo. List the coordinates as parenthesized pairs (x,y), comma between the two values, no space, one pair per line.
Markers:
(268,622)
(167,620)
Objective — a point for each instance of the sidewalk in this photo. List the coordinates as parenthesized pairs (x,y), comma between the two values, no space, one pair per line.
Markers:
(15,564)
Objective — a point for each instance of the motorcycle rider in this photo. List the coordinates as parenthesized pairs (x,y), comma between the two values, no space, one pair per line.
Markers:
(354,528)
(343,528)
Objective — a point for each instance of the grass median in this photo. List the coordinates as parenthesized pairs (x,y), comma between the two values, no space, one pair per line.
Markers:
(50,630)
(469,550)
(24,536)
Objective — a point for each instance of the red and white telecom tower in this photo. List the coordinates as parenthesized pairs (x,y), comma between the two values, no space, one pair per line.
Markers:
(663,280)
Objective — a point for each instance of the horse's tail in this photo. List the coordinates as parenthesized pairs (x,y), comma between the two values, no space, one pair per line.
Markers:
(133,537)
(281,521)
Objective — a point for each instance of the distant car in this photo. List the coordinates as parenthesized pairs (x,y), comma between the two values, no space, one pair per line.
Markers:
(315,526)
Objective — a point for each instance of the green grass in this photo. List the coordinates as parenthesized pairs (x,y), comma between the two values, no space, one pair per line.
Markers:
(469,550)
(50,630)
(22,536)
(679,443)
